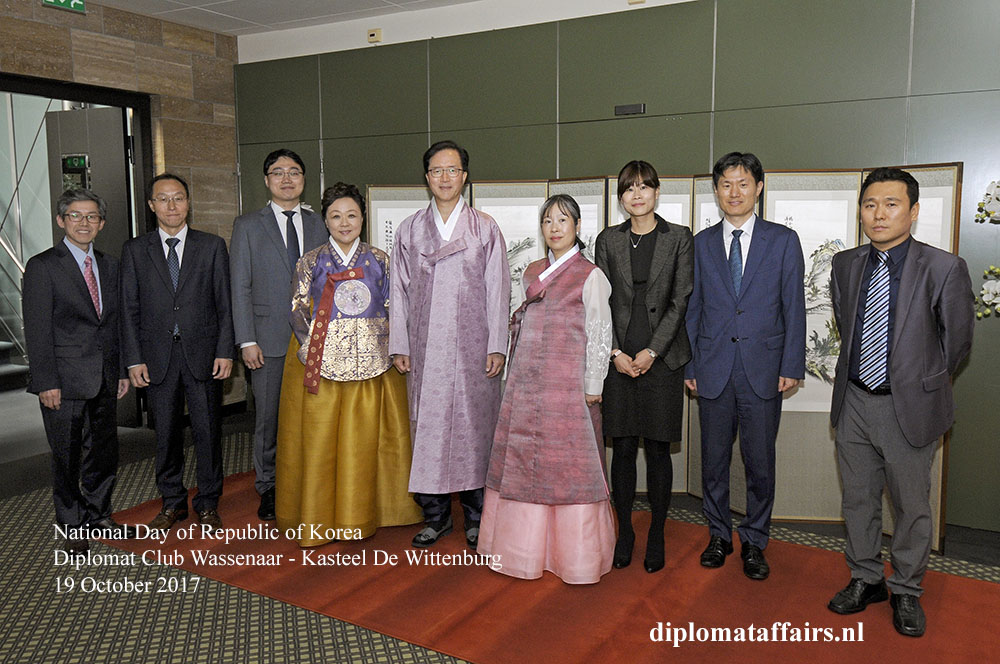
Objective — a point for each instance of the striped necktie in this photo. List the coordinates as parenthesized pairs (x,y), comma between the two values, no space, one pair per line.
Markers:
(873,368)
(91,279)
(174,267)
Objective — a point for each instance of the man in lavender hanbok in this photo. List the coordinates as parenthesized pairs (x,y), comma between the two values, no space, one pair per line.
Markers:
(448,309)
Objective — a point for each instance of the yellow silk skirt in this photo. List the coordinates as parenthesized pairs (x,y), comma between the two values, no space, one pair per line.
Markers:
(343,458)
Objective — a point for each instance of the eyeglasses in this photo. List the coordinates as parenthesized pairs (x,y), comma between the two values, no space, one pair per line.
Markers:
(438,172)
(77,217)
(280,173)
(166,200)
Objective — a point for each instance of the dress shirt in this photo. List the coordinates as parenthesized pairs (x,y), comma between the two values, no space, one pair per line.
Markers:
(181,235)
(445,229)
(897,256)
(282,220)
(79,255)
(727,237)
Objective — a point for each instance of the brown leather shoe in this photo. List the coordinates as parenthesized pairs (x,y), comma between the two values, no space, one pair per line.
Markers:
(210,518)
(73,546)
(166,519)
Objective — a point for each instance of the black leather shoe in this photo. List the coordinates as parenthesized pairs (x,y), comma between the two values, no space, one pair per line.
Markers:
(654,560)
(120,530)
(75,545)
(907,616)
(754,564)
(166,519)
(715,553)
(623,550)
(210,518)
(472,534)
(857,596)
(432,532)
(266,510)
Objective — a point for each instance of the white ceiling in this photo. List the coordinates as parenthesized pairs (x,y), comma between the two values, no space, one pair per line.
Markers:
(243,17)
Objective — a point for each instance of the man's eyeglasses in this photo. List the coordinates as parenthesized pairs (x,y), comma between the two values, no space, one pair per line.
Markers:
(77,217)
(166,200)
(280,173)
(438,172)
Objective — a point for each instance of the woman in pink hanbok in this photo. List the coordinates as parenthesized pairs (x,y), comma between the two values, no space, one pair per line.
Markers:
(546,504)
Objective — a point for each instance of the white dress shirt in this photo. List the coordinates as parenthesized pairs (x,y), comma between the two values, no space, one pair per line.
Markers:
(727,237)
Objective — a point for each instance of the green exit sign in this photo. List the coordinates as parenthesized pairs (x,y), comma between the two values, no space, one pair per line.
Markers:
(72,5)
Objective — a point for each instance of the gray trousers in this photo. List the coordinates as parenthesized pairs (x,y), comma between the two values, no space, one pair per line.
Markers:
(266,383)
(873,453)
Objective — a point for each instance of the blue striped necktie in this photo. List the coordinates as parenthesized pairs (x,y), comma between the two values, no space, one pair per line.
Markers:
(873,368)
(736,260)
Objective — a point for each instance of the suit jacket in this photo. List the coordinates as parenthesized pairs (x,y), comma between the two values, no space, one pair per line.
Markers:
(671,279)
(262,277)
(201,307)
(935,314)
(767,319)
(69,347)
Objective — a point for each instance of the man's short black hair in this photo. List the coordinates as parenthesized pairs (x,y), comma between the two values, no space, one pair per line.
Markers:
(746,160)
(167,176)
(884,174)
(447,145)
(278,154)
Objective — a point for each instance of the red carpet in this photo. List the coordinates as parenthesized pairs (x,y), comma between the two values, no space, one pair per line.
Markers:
(479,615)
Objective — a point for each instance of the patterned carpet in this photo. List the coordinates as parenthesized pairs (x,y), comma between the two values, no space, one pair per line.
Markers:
(215,623)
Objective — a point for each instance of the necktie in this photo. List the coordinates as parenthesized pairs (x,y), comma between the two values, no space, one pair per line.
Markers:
(292,239)
(174,265)
(875,327)
(736,260)
(88,276)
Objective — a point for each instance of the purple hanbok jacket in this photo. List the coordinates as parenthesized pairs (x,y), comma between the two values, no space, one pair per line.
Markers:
(448,310)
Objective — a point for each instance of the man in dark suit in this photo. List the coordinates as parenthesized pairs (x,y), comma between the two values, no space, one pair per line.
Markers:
(177,332)
(265,246)
(747,324)
(905,311)
(70,303)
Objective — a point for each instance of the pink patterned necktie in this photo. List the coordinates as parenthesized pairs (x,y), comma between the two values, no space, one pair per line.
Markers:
(88,275)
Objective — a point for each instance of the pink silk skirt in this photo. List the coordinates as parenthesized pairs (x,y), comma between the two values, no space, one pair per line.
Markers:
(574,542)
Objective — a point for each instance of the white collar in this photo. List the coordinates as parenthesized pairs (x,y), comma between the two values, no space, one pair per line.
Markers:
(340,252)
(181,234)
(747,227)
(554,265)
(279,212)
(446,229)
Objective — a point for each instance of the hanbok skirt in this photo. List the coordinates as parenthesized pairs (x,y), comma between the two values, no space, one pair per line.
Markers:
(343,457)
(574,542)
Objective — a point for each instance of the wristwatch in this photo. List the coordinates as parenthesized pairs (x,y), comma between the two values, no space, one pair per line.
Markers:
(652,354)
(615,354)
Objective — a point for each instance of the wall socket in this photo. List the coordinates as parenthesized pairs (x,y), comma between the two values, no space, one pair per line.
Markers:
(375,35)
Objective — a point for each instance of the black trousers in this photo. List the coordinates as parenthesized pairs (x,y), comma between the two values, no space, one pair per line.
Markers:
(83,435)
(437,506)
(204,402)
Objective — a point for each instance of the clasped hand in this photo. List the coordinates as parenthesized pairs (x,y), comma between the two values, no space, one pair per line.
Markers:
(633,367)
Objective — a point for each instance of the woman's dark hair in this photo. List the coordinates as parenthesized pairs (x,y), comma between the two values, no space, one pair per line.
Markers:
(568,206)
(636,172)
(343,190)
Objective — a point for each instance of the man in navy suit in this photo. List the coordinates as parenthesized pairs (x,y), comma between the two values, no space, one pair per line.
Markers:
(177,332)
(747,324)
(71,332)
(905,311)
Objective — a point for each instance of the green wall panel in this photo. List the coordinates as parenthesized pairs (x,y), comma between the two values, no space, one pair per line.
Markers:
(253,192)
(375,160)
(278,100)
(774,52)
(374,91)
(959,127)
(661,57)
(510,153)
(674,145)
(955,46)
(844,135)
(494,79)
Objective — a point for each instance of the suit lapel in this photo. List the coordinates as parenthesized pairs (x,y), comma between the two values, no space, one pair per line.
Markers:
(155,251)
(624,256)
(907,286)
(718,254)
(107,284)
(660,252)
(70,266)
(270,226)
(755,256)
(192,253)
(852,291)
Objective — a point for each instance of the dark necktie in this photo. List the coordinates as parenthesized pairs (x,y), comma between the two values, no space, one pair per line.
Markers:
(88,276)
(875,327)
(174,266)
(292,239)
(736,260)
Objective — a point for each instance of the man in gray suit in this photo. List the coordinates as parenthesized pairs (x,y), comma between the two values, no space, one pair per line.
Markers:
(905,311)
(264,248)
